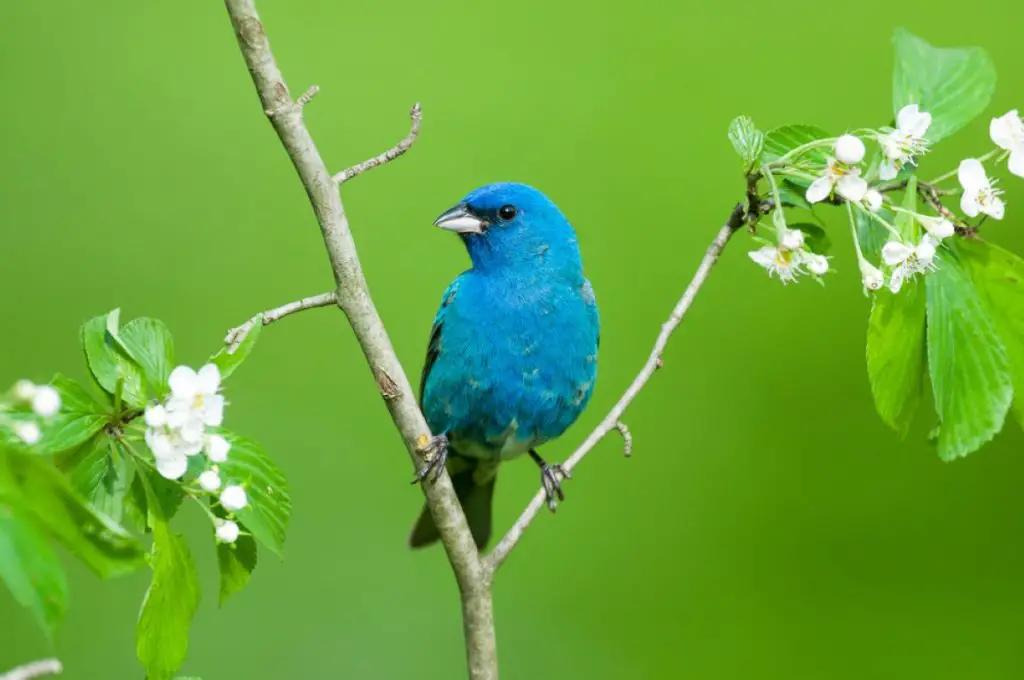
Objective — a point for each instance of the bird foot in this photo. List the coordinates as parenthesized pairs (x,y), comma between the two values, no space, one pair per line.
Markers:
(551,477)
(435,452)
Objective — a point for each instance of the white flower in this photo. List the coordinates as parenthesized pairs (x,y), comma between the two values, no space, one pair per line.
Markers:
(217,448)
(45,401)
(209,480)
(873,200)
(816,264)
(849,150)
(840,177)
(979,195)
(908,260)
(28,432)
(170,451)
(227,531)
(1008,133)
(233,498)
(172,467)
(781,261)
(156,415)
(871,276)
(939,227)
(194,403)
(792,239)
(901,145)
(24,390)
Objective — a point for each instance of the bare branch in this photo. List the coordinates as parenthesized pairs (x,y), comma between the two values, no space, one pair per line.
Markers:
(36,669)
(416,114)
(612,421)
(627,437)
(307,96)
(355,301)
(235,336)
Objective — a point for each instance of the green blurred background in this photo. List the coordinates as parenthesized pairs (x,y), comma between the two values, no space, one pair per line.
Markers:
(767,526)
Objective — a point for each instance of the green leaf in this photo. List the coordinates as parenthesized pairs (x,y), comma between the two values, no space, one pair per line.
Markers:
(100,543)
(101,474)
(30,568)
(236,563)
(270,504)
(167,492)
(227,361)
(953,84)
(109,362)
(793,194)
(782,140)
(75,399)
(905,223)
(150,342)
(998,276)
(746,139)
(872,235)
(161,636)
(814,236)
(896,353)
(67,431)
(969,371)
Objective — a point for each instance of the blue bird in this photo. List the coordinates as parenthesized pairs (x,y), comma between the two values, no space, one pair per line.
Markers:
(512,357)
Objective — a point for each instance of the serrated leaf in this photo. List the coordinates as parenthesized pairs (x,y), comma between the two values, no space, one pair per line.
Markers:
(966,360)
(955,85)
(68,431)
(99,542)
(746,139)
(108,363)
(151,343)
(815,237)
(872,235)
(228,361)
(30,568)
(167,492)
(782,140)
(100,474)
(236,563)
(998,276)
(794,195)
(270,504)
(161,636)
(905,223)
(896,353)
(75,399)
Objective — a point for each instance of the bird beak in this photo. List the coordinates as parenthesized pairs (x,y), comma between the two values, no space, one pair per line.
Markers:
(460,220)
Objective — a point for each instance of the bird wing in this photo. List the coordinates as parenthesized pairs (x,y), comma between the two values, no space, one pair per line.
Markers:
(434,344)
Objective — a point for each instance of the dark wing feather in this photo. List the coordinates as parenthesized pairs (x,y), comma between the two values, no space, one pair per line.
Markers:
(434,344)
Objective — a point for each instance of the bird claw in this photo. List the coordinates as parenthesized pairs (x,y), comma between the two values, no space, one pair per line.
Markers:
(551,477)
(436,453)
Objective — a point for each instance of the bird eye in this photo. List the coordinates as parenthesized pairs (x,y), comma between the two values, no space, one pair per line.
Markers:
(507,212)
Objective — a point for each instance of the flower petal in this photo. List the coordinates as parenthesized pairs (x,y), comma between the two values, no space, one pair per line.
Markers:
(217,448)
(996,208)
(172,467)
(888,170)
(972,175)
(850,149)
(764,256)
(896,282)
(1017,162)
(873,200)
(819,190)
(852,187)
(1001,130)
(209,379)
(895,252)
(184,382)
(969,203)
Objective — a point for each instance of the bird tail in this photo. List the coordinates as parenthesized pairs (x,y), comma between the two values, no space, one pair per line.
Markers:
(476,500)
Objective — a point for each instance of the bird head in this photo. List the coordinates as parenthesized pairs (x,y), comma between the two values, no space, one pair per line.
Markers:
(510,224)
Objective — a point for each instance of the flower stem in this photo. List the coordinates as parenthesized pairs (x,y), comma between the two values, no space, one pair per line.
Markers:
(952,173)
(878,218)
(778,217)
(802,149)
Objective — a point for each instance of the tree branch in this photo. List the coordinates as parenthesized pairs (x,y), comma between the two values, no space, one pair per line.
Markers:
(36,669)
(354,299)
(416,114)
(235,336)
(612,421)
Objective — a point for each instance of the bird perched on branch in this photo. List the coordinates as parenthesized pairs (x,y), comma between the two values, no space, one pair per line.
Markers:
(512,357)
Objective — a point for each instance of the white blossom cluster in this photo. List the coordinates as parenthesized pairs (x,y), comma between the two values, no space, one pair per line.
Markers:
(844,176)
(44,401)
(179,428)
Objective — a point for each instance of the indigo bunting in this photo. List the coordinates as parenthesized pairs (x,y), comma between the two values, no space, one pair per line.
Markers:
(512,357)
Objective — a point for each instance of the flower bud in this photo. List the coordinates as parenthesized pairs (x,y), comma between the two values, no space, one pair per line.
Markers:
(849,150)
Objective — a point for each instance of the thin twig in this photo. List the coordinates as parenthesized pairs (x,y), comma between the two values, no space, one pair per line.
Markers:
(627,436)
(35,669)
(355,301)
(307,96)
(235,336)
(416,114)
(612,421)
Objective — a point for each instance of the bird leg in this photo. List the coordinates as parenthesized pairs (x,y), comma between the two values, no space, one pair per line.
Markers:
(551,477)
(436,453)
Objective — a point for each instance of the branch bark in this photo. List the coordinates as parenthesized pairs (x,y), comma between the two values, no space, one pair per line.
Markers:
(35,669)
(612,421)
(354,299)
(235,336)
